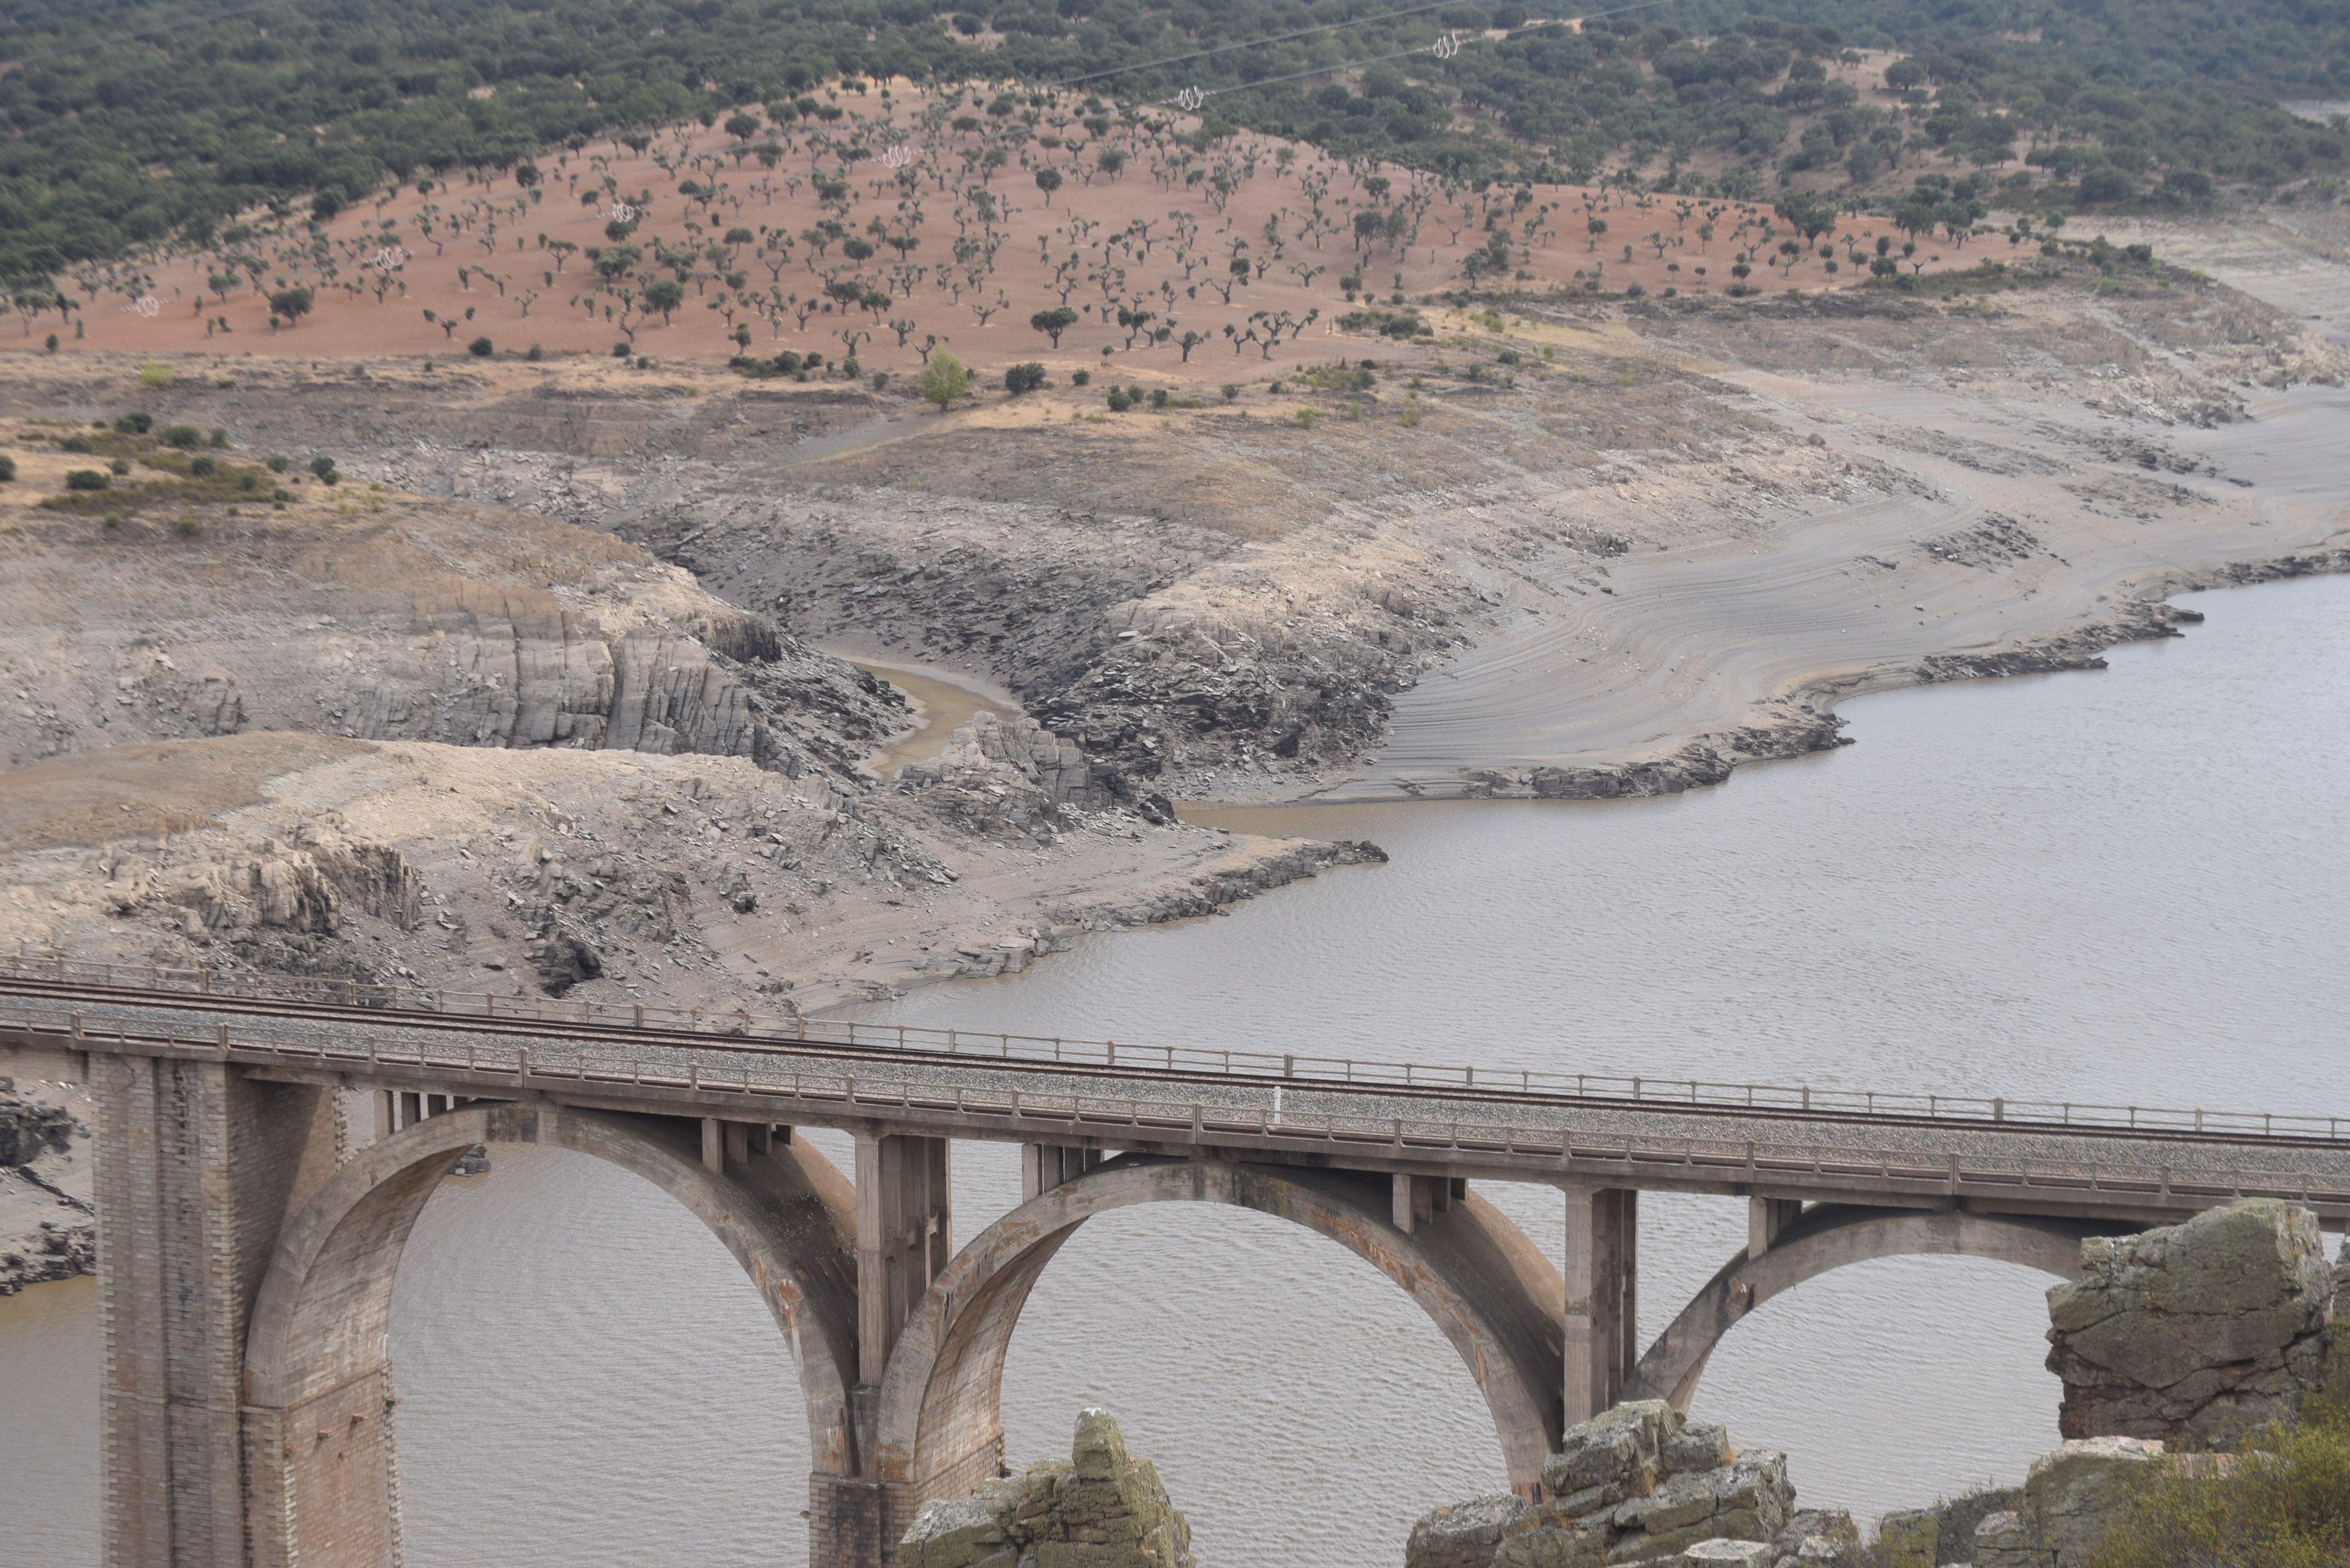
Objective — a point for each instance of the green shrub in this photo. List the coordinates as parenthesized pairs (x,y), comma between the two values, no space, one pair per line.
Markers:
(77,443)
(1025,378)
(2285,1503)
(155,373)
(135,423)
(87,479)
(324,467)
(7,470)
(198,467)
(187,437)
(944,379)
(481,348)
(279,464)
(119,466)
(218,438)
(1081,378)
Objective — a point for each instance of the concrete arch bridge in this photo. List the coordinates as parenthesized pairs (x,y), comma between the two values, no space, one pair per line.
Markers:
(250,1233)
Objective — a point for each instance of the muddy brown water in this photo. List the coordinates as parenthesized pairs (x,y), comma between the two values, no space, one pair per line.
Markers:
(2131,885)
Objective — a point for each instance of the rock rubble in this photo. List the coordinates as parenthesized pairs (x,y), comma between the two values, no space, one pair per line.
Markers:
(1638,1483)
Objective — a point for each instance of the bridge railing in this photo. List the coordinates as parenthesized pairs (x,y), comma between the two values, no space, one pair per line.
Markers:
(741,1029)
(792,1087)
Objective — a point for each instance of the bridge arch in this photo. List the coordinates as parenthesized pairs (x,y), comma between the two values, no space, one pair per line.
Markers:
(1830,1235)
(1490,1290)
(319,1425)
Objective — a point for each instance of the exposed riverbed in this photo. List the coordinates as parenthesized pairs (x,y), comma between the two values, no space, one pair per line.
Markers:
(2129,885)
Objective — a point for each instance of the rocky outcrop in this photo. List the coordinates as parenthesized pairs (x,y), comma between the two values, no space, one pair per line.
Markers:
(2070,1499)
(48,1231)
(1101,1508)
(1638,1484)
(2194,1333)
(1000,775)
(303,887)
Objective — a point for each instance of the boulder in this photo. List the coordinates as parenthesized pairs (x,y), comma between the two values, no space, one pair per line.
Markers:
(1727,1554)
(1635,1484)
(2071,1497)
(1909,1538)
(1101,1508)
(2194,1333)
(1465,1534)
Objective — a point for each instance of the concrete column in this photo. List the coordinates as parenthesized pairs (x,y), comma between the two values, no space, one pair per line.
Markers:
(1405,1219)
(1602,1296)
(197,1171)
(1767,1220)
(904,1237)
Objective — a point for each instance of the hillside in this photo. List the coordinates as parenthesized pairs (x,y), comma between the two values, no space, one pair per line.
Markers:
(135,124)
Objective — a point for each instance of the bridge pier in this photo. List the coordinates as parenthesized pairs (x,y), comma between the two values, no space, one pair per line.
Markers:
(1603,1326)
(197,1168)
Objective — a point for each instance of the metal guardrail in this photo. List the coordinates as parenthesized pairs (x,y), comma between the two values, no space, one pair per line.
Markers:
(1661,1094)
(1907,1171)
(737,1026)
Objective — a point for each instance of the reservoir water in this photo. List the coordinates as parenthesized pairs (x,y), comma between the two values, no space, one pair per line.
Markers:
(2132,886)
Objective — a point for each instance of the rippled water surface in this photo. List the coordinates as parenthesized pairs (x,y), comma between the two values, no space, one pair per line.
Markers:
(2133,885)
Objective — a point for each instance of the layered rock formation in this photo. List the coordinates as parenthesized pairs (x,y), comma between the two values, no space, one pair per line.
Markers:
(1102,1509)
(1639,1484)
(2194,1333)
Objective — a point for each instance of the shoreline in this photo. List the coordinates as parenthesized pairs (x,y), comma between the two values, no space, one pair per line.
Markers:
(1808,722)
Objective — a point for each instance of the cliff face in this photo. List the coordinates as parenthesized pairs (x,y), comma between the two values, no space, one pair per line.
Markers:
(408,620)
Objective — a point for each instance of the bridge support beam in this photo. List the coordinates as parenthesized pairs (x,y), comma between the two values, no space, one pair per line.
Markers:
(1044,1166)
(1767,1220)
(197,1170)
(1603,1230)
(905,1235)
(1420,1199)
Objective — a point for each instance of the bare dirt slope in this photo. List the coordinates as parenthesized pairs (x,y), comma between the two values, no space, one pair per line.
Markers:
(1614,548)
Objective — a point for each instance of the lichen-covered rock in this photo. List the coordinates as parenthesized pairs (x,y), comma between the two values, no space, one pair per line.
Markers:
(1635,1484)
(1613,1456)
(1465,1534)
(1726,1554)
(2001,1542)
(1909,1538)
(1102,1509)
(2193,1334)
(1812,1535)
(2071,1497)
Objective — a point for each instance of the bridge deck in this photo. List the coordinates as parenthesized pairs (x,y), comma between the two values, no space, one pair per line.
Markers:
(1778,1141)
